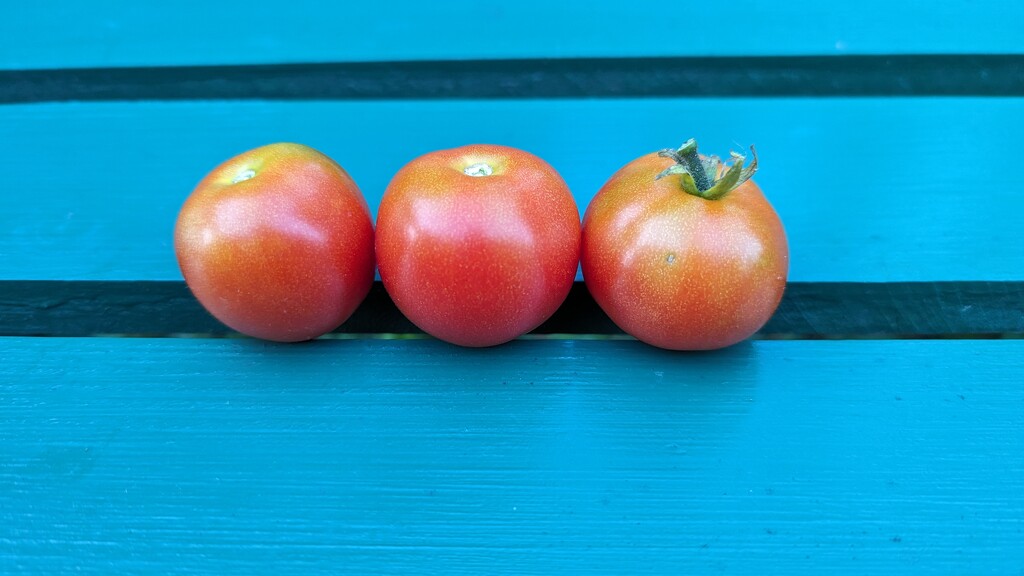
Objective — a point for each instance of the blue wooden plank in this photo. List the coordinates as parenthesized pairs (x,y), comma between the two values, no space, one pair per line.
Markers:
(125,33)
(570,457)
(869,189)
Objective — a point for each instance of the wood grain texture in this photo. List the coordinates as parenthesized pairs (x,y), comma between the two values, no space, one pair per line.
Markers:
(807,310)
(903,75)
(869,189)
(372,457)
(124,33)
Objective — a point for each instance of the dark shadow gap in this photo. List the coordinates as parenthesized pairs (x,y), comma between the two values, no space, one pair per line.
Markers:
(793,76)
(809,310)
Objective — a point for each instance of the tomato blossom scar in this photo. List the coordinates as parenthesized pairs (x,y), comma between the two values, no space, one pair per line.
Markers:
(243,176)
(479,169)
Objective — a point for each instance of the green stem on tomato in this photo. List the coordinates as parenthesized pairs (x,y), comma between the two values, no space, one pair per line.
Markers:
(699,176)
(688,157)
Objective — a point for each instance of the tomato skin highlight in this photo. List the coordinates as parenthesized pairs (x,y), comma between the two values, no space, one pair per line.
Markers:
(478,260)
(277,243)
(678,271)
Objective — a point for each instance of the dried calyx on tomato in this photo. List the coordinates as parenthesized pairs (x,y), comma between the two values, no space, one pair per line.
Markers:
(683,251)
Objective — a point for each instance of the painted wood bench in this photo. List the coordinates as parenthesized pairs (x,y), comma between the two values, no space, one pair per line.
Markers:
(876,425)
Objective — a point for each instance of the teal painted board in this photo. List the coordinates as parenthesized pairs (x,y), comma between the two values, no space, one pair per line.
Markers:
(571,457)
(125,33)
(869,189)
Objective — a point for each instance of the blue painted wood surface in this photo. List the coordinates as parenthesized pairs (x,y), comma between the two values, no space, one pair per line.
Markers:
(572,457)
(156,456)
(125,33)
(869,189)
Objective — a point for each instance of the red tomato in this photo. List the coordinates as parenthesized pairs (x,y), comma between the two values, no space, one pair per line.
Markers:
(684,253)
(277,243)
(478,245)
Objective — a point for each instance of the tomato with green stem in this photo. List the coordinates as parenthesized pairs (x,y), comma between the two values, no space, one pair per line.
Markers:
(683,251)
